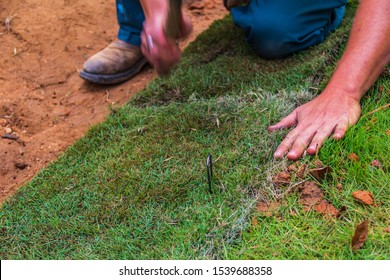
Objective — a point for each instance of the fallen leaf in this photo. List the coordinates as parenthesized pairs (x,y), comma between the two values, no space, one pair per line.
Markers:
(267,208)
(387,229)
(301,171)
(312,197)
(324,207)
(364,197)
(292,167)
(254,221)
(374,120)
(388,132)
(353,157)
(360,236)
(282,179)
(262,206)
(339,186)
(310,194)
(320,173)
(318,163)
(376,163)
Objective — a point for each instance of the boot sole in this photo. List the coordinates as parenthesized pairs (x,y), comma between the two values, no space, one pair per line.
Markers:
(110,79)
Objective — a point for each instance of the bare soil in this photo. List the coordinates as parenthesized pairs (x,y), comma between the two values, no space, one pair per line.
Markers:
(43,102)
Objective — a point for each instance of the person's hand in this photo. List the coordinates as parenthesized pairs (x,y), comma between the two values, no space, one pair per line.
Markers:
(333,111)
(161,51)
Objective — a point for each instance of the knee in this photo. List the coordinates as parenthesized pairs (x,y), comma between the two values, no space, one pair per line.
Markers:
(277,28)
(269,37)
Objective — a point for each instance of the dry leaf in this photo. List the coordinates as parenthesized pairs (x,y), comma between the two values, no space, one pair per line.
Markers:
(360,236)
(353,157)
(301,171)
(310,194)
(388,132)
(312,197)
(339,186)
(292,167)
(282,179)
(320,173)
(376,163)
(254,221)
(364,197)
(262,206)
(324,207)
(374,120)
(318,163)
(387,229)
(267,208)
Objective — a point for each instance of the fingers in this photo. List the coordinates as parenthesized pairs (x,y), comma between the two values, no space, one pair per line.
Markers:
(319,138)
(301,143)
(310,138)
(286,144)
(315,121)
(286,122)
(341,129)
(161,51)
(295,143)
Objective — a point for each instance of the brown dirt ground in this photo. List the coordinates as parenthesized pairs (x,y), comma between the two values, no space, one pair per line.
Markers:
(42,99)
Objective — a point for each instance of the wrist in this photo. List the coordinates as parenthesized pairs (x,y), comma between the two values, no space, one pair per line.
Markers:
(343,88)
(153,9)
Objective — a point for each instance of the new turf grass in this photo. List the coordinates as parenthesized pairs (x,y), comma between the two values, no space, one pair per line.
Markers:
(135,186)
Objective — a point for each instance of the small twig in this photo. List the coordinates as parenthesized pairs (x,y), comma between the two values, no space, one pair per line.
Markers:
(7,117)
(376,110)
(223,186)
(214,161)
(168,159)
(291,188)
(7,22)
(108,96)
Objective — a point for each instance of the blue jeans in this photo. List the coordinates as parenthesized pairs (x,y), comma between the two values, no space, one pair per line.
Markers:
(130,18)
(273,28)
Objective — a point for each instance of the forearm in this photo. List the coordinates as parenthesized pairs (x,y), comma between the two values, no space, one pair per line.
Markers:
(368,49)
(150,7)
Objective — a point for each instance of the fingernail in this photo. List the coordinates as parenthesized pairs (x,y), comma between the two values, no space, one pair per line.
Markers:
(149,40)
(292,154)
(278,155)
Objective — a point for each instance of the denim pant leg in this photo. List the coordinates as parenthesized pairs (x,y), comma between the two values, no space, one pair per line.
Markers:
(275,28)
(130,18)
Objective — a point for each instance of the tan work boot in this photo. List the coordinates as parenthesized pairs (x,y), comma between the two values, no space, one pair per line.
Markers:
(116,63)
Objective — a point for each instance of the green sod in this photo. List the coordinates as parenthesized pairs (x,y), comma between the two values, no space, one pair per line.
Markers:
(135,187)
